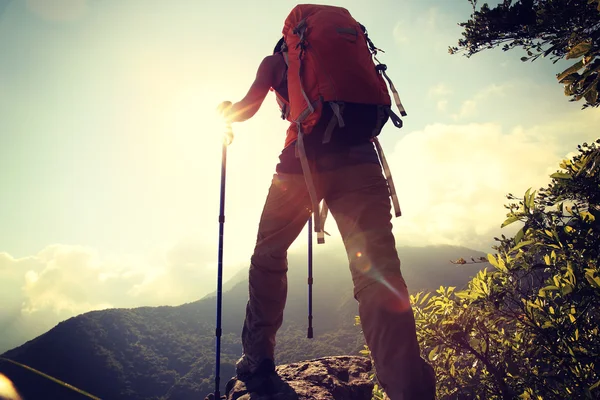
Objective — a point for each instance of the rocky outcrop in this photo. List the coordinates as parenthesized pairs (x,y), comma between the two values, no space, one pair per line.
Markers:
(329,378)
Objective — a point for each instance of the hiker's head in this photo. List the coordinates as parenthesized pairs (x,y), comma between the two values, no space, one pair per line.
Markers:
(280,46)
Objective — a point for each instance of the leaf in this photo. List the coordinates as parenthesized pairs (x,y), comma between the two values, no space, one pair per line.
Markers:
(433,353)
(573,68)
(509,221)
(492,260)
(591,96)
(561,175)
(574,77)
(519,235)
(572,318)
(548,288)
(579,50)
(531,201)
(591,86)
(569,89)
(502,265)
(522,244)
(587,216)
(566,289)
(593,280)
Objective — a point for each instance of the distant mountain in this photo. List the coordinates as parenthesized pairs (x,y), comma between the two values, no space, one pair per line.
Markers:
(168,352)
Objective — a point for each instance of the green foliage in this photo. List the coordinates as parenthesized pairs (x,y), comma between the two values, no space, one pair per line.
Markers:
(558,29)
(529,326)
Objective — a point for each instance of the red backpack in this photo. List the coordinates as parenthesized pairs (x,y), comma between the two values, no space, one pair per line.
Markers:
(330,61)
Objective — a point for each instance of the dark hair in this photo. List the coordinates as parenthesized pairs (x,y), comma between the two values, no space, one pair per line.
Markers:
(279,46)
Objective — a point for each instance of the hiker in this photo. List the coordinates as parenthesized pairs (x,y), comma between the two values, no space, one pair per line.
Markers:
(330,154)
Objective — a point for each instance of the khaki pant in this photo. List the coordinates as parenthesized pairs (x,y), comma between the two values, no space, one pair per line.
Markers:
(358,200)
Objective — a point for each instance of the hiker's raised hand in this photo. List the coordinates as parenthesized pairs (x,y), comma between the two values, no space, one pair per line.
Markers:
(224,109)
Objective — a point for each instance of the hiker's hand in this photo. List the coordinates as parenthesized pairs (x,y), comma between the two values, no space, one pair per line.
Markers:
(224,109)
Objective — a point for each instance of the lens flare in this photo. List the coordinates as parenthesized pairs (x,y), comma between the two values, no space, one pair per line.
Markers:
(7,389)
(398,300)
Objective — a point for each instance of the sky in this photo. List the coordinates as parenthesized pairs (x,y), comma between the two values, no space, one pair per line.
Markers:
(110,145)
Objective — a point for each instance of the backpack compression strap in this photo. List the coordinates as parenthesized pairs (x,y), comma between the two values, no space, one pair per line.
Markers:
(388,177)
(381,68)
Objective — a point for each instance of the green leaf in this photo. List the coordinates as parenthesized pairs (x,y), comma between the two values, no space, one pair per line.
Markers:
(561,175)
(591,96)
(587,89)
(509,221)
(579,50)
(550,287)
(569,89)
(519,235)
(571,78)
(531,201)
(524,243)
(492,260)
(587,216)
(502,265)
(433,353)
(573,68)
(593,280)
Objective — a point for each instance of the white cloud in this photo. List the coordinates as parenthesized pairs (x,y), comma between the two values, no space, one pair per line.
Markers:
(470,107)
(440,90)
(399,33)
(442,105)
(433,17)
(452,179)
(62,281)
(467,109)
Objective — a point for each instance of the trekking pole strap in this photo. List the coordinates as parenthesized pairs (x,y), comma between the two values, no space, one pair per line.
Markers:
(310,185)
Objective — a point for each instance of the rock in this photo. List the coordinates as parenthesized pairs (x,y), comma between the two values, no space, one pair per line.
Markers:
(329,378)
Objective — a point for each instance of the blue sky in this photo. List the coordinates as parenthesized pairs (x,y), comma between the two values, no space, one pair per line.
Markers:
(110,145)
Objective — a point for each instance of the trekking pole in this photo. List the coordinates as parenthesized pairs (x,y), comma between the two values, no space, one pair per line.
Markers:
(310,278)
(226,142)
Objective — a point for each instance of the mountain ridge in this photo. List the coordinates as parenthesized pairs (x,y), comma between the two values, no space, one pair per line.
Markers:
(145,352)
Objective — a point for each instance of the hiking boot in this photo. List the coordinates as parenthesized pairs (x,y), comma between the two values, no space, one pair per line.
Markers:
(257,379)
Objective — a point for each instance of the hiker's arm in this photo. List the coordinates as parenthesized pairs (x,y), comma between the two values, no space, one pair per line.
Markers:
(249,105)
